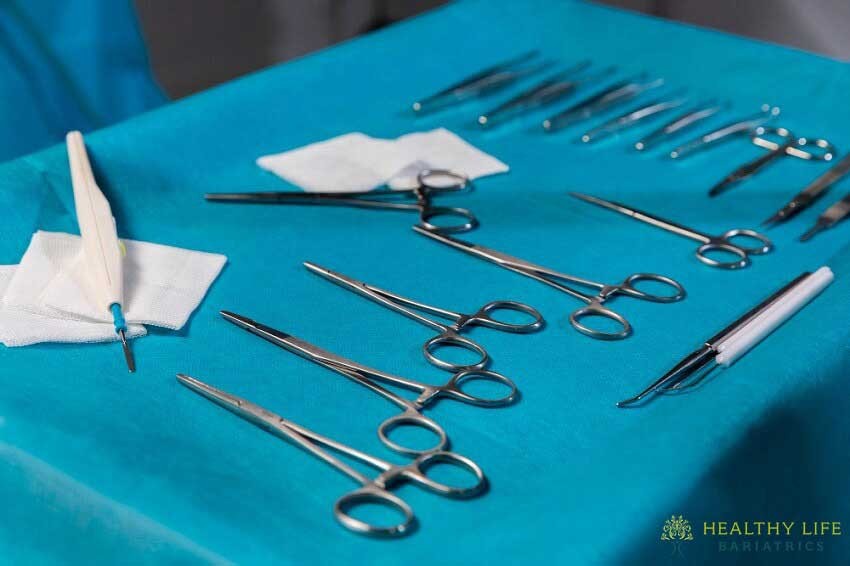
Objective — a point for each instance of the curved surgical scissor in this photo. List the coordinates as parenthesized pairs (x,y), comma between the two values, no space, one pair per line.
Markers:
(723,243)
(372,491)
(559,279)
(411,414)
(449,334)
(429,182)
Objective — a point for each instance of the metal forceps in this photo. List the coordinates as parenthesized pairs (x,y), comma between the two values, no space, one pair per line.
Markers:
(727,132)
(487,80)
(631,118)
(788,145)
(449,334)
(411,414)
(679,124)
(559,281)
(374,491)
(430,182)
(708,244)
(617,93)
(551,89)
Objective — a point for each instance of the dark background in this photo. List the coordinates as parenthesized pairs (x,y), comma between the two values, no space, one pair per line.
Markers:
(195,44)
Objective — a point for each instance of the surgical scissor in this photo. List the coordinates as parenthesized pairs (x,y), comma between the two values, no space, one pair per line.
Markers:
(430,182)
(449,334)
(411,414)
(708,244)
(371,491)
(788,144)
(559,281)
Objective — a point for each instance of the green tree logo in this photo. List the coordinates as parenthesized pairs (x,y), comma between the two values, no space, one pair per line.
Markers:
(677,529)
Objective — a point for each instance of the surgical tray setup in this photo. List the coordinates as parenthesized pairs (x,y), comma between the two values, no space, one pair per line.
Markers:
(599,93)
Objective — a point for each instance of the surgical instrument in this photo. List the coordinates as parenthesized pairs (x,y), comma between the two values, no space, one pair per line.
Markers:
(631,118)
(411,414)
(371,491)
(430,182)
(708,244)
(548,91)
(725,347)
(618,93)
(811,193)
(829,218)
(485,81)
(679,124)
(726,132)
(559,281)
(788,145)
(449,334)
(103,253)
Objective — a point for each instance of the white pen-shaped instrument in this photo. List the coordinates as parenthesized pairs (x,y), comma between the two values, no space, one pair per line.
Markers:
(101,249)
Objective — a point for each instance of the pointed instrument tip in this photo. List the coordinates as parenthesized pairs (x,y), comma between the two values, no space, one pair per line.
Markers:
(717,189)
(186,380)
(204,390)
(128,353)
(315,268)
(237,319)
(581,196)
(775,219)
(629,402)
(811,232)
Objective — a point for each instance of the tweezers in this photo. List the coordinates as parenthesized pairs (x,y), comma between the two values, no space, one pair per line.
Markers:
(733,129)
(617,93)
(679,124)
(487,80)
(551,89)
(631,118)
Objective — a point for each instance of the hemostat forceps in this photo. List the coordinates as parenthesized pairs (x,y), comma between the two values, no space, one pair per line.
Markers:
(411,414)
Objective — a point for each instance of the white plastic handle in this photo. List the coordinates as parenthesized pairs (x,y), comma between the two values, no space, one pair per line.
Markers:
(742,341)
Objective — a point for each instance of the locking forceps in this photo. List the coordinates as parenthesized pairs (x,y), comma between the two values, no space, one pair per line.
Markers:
(429,183)
(411,414)
(709,244)
(449,334)
(559,281)
(371,491)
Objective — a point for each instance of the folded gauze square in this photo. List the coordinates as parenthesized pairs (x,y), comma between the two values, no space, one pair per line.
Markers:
(162,285)
(21,328)
(357,162)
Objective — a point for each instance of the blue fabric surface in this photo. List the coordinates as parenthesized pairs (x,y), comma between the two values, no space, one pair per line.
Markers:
(69,66)
(100,467)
